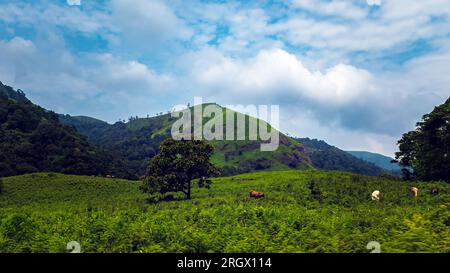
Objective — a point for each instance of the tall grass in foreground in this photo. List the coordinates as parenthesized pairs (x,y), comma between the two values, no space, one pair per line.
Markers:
(304,211)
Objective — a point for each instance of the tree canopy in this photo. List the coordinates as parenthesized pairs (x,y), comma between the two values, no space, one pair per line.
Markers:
(177,164)
(425,152)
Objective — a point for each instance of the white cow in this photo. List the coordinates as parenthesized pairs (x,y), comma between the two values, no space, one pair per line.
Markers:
(414,191)
(376,196)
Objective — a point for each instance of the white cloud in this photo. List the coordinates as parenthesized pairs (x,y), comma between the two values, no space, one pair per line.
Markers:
(349,106)
(51,15)
(100,85)
(373,2)
(405,9)
(276,71)
(299,122)
(146,24)
(112,74)
(74,2)
(367,35)
(340,8)
(394,23)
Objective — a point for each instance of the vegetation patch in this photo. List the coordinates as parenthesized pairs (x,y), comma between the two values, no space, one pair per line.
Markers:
(302,211)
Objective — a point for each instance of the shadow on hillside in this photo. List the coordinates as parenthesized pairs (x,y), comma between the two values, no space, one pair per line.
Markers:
(169,197)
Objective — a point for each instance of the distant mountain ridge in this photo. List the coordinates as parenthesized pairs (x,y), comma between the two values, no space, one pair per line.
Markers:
(380,160)
(327,157)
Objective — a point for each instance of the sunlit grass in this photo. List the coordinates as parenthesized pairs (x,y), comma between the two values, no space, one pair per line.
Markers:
(43,212)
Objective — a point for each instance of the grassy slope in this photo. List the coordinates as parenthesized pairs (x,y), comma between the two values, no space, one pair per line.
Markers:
(231,153)
(43,212)
(237,156)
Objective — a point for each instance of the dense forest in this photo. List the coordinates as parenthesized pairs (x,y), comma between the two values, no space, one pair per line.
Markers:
(130,142)
(32,139)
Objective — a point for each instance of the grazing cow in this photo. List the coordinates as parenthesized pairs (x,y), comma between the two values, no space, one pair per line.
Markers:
(109,176)
(256,195)
(414,191)
(434,191)
(376,196)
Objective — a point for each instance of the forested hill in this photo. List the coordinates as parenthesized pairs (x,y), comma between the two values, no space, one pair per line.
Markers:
(32,139)
(380,160)
(91,127)
(327,157)
(137,140)
(7,92)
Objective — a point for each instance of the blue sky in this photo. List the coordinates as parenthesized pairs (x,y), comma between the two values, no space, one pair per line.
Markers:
(357,73)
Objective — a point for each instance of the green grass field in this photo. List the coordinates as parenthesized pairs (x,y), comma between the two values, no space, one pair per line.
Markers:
(43,212)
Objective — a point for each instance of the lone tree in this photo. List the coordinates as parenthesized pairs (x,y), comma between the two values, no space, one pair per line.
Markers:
(425,152)
(177,164)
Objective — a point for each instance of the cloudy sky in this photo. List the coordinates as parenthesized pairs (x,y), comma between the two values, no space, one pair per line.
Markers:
(356,73)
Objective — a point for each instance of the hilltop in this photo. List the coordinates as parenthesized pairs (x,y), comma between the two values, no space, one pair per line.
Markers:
(137,140)
(7,92)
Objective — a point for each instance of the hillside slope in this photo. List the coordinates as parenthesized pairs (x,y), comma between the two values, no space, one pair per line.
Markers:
(380,160)
(87,126)
(304,211)
(7,92)
(32,139)
(137,140)
(327,157)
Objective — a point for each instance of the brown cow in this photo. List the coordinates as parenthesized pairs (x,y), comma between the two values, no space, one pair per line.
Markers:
(256,195)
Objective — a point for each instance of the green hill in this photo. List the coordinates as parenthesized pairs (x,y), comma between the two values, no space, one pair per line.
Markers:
(137,140)
(90,127)
(7,92)
(124,149)
(327,157)
(32,139)
(380,160)
(304,211)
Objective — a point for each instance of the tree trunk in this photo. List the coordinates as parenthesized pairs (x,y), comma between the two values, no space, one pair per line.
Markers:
(189,189)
